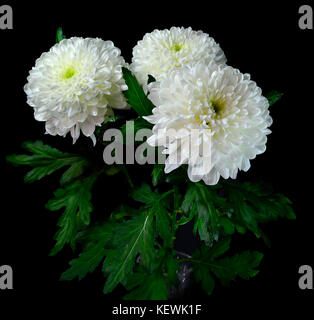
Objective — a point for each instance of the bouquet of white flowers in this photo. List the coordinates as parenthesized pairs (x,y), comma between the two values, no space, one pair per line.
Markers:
(178,112)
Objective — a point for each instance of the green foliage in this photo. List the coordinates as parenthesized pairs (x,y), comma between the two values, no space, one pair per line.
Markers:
(60,36)
(147,287)
(74,194)
(137,236)
(231,206)
(135,95)
(273,97)
(93,253)
(157,204)
(202,202)
(207,266)
(135,245)
(145,195)
(76,199)
(131,238)
(171,268)
(254,203)
(158,174)
(45,160)
(154,284)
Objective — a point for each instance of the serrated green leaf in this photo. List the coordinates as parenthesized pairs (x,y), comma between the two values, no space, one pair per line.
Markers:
(75,198)
(157,204)
(227,226)
(132,237)
(242,265)
(219,248)
(255,203)
(75,170)
(150,287)
(206,280)
(45,160)
(205,265)
(93,254)
(135,95)
(135,279)
(144,194)
(201,200)
(85,263)
(42,171)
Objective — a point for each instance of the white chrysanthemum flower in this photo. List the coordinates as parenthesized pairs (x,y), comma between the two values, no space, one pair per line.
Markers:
(73,86)
(163,50)
(228,112)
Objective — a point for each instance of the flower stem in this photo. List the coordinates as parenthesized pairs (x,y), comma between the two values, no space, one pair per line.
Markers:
(128,178)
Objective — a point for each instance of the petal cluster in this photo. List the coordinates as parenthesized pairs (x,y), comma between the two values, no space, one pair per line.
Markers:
(74,85)
(162,50)
(211,117)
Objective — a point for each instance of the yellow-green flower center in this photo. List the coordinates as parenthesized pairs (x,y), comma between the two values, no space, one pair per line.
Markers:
(176,47)
(68,73)
(217,107)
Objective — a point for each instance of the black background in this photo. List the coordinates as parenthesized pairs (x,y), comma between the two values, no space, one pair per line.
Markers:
(261,38)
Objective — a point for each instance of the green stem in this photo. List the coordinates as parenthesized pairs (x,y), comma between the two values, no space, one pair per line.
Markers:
(128,178)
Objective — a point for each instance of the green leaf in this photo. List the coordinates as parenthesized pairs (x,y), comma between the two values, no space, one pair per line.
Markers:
(75,198)
(255,203)
(242,265)
(145,195)
(113,118)
(122,212)
(93,254)
(157,203)
(201,201)
(219,248)
(75,171)
(206,265)
(45,160)
(162,221)
(226,225)
(131,238)
(60,36)
(135,95)
(148,287)
(273,97)
(172,266)
(202,276)
(158,174)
